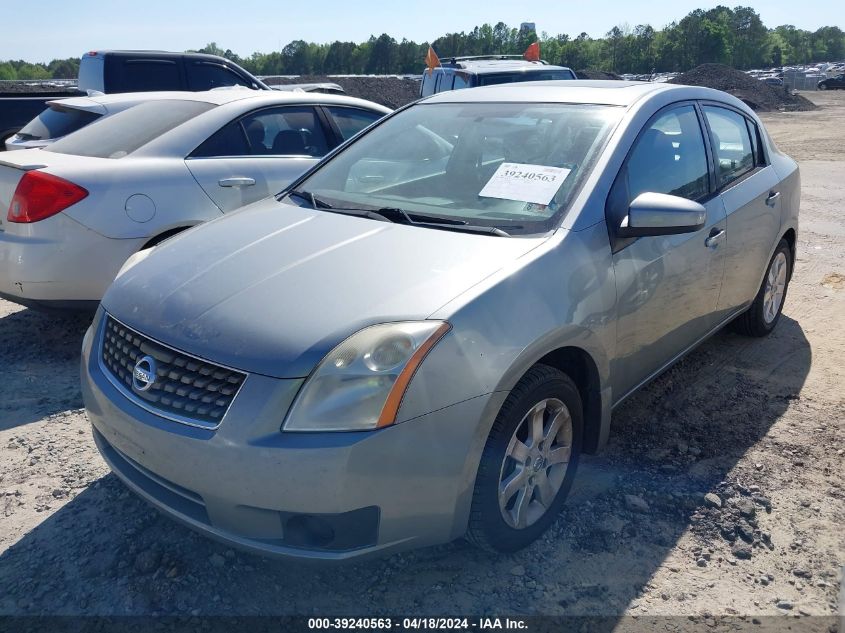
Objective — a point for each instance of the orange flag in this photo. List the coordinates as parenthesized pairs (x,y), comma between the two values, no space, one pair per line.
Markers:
(532,53)
(431,60)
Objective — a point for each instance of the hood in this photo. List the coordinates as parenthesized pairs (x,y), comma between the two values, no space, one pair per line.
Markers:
(272,288)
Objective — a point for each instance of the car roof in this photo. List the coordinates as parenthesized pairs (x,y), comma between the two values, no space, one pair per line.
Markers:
(220,96)
(158,54)
(598,91)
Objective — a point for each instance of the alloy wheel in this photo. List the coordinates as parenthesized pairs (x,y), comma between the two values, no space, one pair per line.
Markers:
(775,287)
(535,463)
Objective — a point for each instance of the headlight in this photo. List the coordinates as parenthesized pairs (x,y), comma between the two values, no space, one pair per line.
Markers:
(135,258)
(359,385)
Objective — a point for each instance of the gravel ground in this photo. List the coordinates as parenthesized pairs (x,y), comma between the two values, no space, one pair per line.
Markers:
(721,494)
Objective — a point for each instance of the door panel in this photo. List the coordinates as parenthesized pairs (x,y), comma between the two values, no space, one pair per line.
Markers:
(667,291)
(746,184)
(753,227)
(668,285)
(271,175)
(258,155)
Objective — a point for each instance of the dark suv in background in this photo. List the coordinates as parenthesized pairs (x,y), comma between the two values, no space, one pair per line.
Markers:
(487,70)
(142,71)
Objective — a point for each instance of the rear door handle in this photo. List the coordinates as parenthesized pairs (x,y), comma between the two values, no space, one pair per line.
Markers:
(236,182)
(773,195)
(716,236)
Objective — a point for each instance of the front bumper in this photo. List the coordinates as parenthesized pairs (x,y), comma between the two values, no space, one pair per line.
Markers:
(318,496)
(59,262)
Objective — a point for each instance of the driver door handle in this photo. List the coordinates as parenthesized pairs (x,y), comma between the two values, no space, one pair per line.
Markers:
(236,182)
(716,236)
(773,195)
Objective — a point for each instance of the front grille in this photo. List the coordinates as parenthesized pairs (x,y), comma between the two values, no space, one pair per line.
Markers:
(186,388)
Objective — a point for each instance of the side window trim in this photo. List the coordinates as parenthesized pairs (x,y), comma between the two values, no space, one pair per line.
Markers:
(331,124)
(330,129)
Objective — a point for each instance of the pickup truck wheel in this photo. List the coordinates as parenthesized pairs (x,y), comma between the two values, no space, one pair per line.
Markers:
(822,86)
(528,462)
(763,315)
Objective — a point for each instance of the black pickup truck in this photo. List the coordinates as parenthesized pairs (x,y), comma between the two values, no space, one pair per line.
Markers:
(128,71)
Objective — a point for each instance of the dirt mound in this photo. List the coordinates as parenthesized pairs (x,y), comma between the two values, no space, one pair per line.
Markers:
(24,89)
(589,73)
(392,92)
(757,94)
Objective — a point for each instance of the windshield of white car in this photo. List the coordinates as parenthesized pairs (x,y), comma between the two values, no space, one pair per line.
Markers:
(123,133)
(513,166)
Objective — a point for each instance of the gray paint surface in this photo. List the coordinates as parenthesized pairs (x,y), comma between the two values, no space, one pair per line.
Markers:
(272,288)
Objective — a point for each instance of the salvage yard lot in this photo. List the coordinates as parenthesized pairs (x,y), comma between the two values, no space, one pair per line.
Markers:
(721,492)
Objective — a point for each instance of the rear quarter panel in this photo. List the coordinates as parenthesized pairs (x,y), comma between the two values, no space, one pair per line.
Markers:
(177,198)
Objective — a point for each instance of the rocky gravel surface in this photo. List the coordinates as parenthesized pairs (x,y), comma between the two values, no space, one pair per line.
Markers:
(720,498)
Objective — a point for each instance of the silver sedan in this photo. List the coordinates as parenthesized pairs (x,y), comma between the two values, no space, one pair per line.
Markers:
(74,211)
(418,340)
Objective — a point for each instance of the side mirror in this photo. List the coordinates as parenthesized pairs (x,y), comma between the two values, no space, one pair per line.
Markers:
(661,214)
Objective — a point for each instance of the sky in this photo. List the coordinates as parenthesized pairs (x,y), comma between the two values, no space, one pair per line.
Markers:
(68,29)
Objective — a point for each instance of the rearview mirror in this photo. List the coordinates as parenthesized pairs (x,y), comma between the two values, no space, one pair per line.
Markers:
(661,214)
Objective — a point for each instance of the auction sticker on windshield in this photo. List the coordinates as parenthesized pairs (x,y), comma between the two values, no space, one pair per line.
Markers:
(525,183)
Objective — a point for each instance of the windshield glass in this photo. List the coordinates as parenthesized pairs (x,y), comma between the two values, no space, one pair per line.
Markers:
(529,75)
(56,121)
(123,133)
(513,166)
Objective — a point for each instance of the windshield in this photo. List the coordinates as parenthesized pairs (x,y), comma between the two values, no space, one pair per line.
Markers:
(528,75)
(56,121)
(513,166)
(123,133)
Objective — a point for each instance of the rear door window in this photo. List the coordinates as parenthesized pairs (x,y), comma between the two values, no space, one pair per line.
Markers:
(731,144)
(205,76)
(350,121)
(55,122)
(143,75)
(229,141)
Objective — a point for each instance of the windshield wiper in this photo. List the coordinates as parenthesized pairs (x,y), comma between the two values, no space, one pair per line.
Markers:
(465,228)
(400,216)
(316,203)
(416,218)
(440,223)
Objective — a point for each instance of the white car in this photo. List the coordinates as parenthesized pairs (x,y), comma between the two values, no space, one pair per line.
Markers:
(80,207)
(64,116)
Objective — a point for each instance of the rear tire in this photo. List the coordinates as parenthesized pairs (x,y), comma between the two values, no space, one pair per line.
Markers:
(763,315)
(529,462)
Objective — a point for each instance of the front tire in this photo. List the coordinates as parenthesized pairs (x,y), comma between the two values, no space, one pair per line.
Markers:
(529,462)
(822,86)
(763,315)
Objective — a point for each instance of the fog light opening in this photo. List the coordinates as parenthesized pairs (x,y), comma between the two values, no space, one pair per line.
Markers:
(308,531)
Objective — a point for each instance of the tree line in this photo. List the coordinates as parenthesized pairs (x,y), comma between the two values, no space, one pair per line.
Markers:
(736,37)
